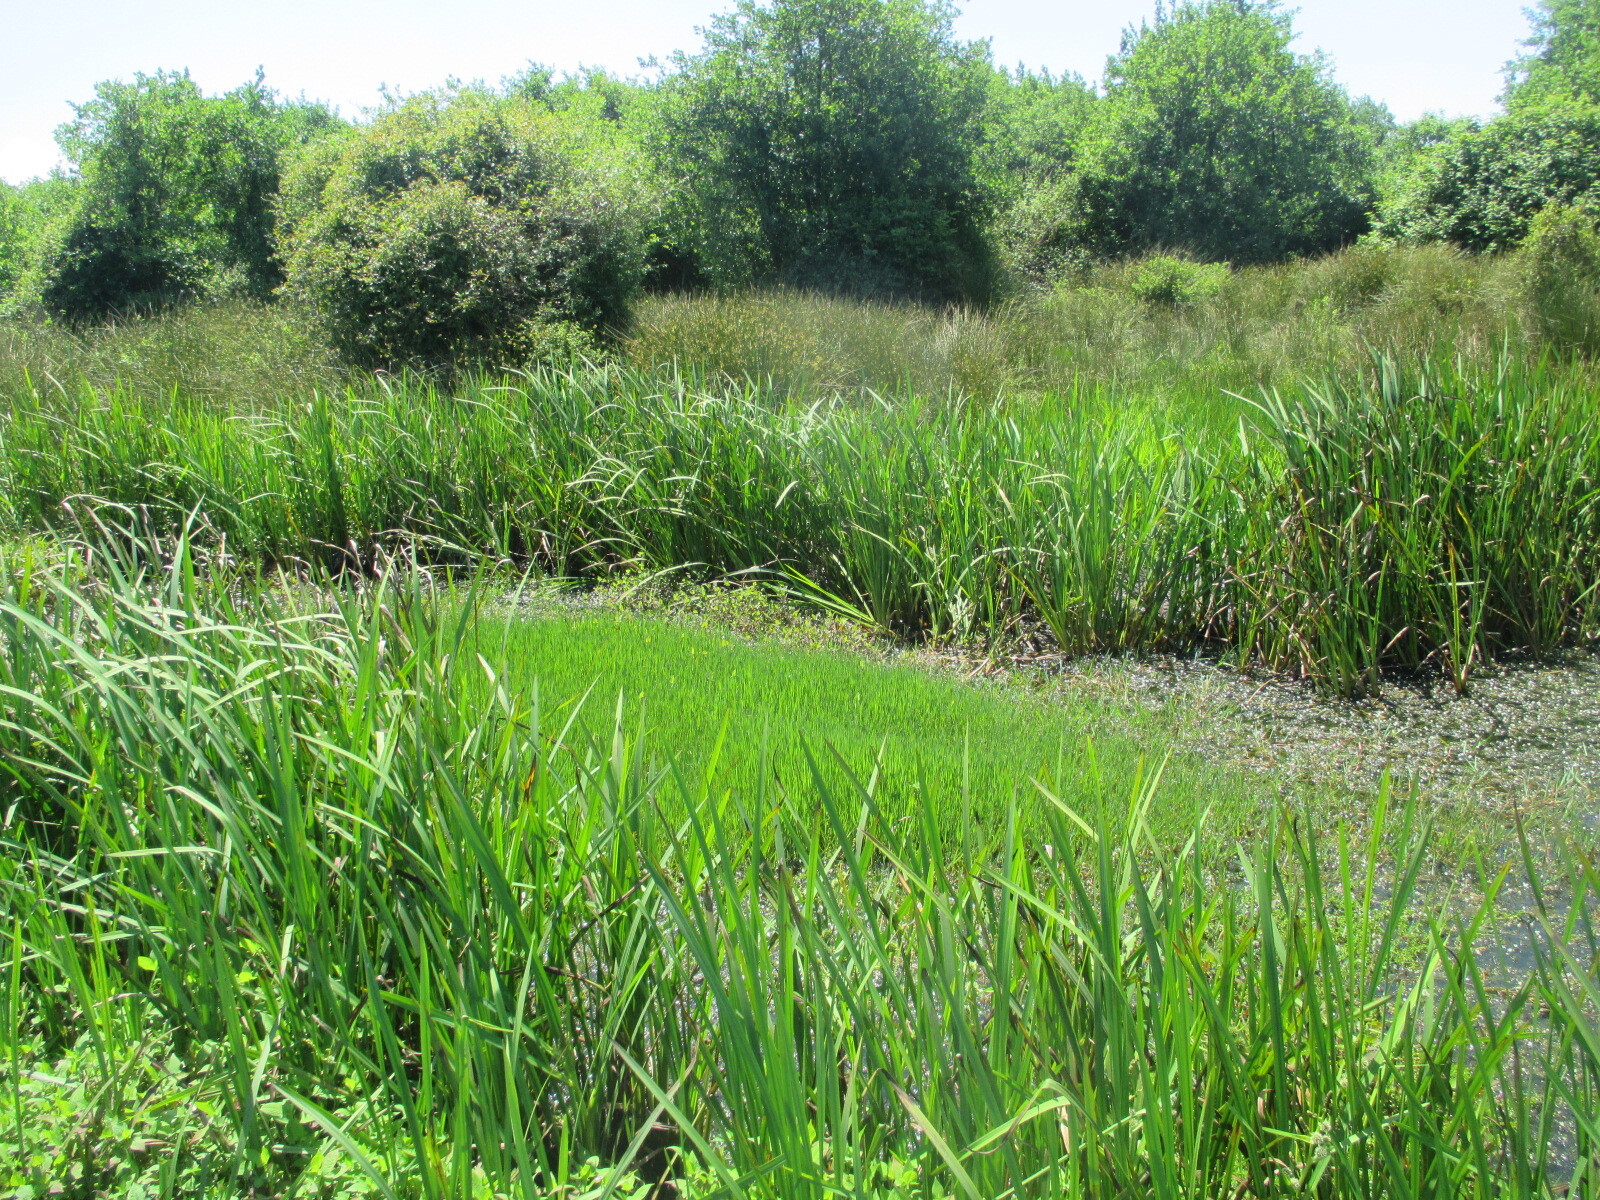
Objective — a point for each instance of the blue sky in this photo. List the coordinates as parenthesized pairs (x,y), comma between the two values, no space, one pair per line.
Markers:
(1416,55)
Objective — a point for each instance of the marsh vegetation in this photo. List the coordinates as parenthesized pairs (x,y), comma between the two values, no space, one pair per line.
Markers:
(383,881)
(643,638)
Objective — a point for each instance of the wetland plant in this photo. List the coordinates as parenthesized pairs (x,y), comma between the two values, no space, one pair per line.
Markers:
(1429,516)
(384,926)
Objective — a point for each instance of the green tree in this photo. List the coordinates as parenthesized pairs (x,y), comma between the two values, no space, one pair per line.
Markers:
(1399,146)
(1216,138)
(12,247)
(592,93)
(176,193)
(833,143)
(29,213)
(465,226)
(1035,130)
(1565,54)
(1481,187)
(627,109)
(1035,123)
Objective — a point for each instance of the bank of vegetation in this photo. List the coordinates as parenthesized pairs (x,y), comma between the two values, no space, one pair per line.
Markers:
(327,901)
(330,866)
(1393,517)
(853,147)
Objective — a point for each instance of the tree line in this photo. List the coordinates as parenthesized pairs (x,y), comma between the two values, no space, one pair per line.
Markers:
(845,145)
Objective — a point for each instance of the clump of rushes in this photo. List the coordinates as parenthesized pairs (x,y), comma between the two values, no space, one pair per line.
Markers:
(1436,518)
(1429,516)
(392,924)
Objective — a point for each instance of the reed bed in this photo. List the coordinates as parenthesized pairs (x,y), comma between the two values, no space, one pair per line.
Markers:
(377,925)
(1409,516)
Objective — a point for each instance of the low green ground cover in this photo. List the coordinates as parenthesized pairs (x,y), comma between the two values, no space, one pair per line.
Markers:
(760,718)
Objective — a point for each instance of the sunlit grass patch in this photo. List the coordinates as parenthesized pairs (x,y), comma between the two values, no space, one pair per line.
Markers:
(762,719)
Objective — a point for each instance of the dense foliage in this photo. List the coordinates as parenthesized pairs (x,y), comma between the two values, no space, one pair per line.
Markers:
(12,217)
(1037,122)
(29,215)
(833,142)
(1482,187)
(844,145)
(1565,58)
(463,226)
(1216,138)
(174,196)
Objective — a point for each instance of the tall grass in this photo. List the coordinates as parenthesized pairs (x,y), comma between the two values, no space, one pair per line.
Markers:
(1258,327)
(1410,516)
(231,352)
(401,923)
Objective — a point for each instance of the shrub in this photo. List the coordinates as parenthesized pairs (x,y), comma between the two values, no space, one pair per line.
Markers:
(1168,282)
(31,218)
(1353,279)
(560,343)
(11,239)
(1039,234)
(1560,279)
(459,227)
